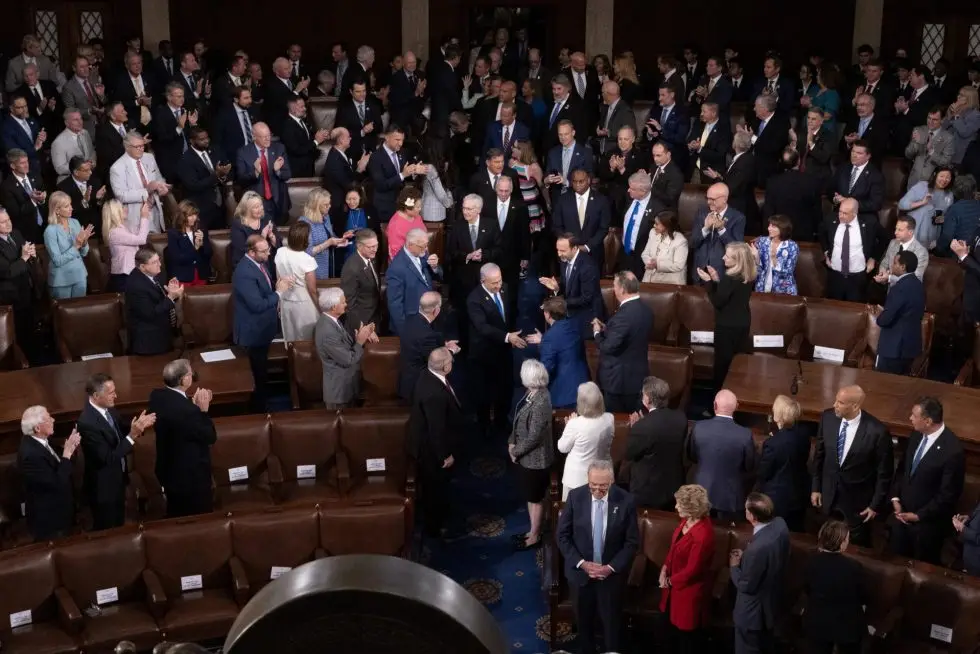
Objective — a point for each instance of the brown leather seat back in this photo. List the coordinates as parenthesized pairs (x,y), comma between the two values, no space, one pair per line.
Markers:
(694,313)
(834,324)
(617,449)
(145,460)
(159,244)
(612,245)
(208,315)
(103,561)
(811,272)
(197,546)
(893,170)
(11,490)
(305,375)
(299,191)
(97,266)
(323,112)
(28,578)
(304,438)
(935,597)
(658,528)
(89,325)
(437,240)
(662,300)
(243,441)
(10,356)
(372,529)
(801,547)
(888,216)
(379,370)
(272,539)
(882,582)
(675,365)
(943,282)
(221,254)
(692,198)
(377,435)
(776,315)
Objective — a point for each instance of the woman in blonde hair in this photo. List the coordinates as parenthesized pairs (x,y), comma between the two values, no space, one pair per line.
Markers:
(587,436)
(251,219)
(686,578)
(729,294)
(962,121)
(322,240)
(624,72)
(122,243)
(782,472)
(67,245)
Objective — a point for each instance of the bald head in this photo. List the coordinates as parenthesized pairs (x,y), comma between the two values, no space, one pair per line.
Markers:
(848,210)
(725,403)
(440,360)
(429,304)
(847,403)
(720,189)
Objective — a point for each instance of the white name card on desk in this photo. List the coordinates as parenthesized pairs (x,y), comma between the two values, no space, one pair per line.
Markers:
(278,571)
(375,465)
(103,355)
(238,474)
(20,619)
(217,355)
(939,632)
(306,472)
(703,337)
(191,582)
(828,354)
(768,340)
(279,340)
(106,596)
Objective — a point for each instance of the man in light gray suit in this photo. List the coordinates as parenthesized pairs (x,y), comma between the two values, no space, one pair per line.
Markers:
(931,146)
(758,577)
(85,92)
(723,452)
(73,141)
(614,114)
(31,54)
(904,240)
(340,353)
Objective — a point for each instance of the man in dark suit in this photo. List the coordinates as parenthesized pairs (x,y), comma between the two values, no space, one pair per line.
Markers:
(578,283)
(513,221)
(673,76)
(46,476)
(780,88)
(715,226)
(202,176)
(708,143)
(622,344)
(151,308)
(443,87)
(224,84)
(849,260)
(586,86)
(297,69)
(484,181)
(878,88)
(22,195)
(339,172)
(614,114)
(106,447)
(797,196)
(406,92)
(502,134)
(360,282)
(584,213)
(714,87)
(817,147)
(869,127)
(491,337)
(358,72)
(489,111)
(769,135)
(670,124)
(189,77)
(912,112)
(43,100)
(900,320)
(637,222)
(434,421)
(655,448)
(23,132)
(421,334)
(184,436)
(233,124)
(852,464)
(388,169)
(164,66)
(724,453)
(87,193)
(361,117)
(740,177)
(109,137)
(135,90)
(279,90)
(302,143)
(927,485)
(758,575)
(564,159)
(857,180)
(261,166)
(472,242)
(566,106)
(598,537)
(968,254)
(171,122)
(410,274)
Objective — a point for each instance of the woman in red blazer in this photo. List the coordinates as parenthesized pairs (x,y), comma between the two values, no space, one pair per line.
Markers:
(686,577)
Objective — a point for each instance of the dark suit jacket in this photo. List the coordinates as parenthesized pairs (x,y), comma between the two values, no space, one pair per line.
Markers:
(387,181)
(798,196)
(574,534)
(90,215)
(563,356)
(917,114)
(932,492)
(227,134)
(582,159)
(403,104)
(869,189)
(723,451)
(873,237)
(168,144)
(434,421)
(785,90)
(362,291)
(275,108)
(769,146)
(301,150)
(622,116)
(339,175)
(971,278)
(184,436)
(105,449)
(201,186)
(592,98)
(876,134)
(495,137)
(742,92)
(816,162)
(12,135)
(256,306)
(581,290)
(190,102)
(47,483)
(108,147)
(673,132)
(835,599)
(245,175)
(23,213)
(222,90)
(124,91)
(444,89)
(405,288)
(418,338)
(466,275)
(16,275)
(616,182)
(481,185)
(901,319)
(864,478)
(598,217)
(741,178)
(713,154)
(348,118)
(148,316)
(633,260)
(49,119)
(721,94)
(182,258)
(622,347)
(782,471)
(709,250)
(487,327)
(667,187)
(574,110)
(656,449)
(355,74)
(759,578)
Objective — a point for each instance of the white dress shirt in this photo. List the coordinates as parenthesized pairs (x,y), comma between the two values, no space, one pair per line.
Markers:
(855,257)
(643,202)
(46,445)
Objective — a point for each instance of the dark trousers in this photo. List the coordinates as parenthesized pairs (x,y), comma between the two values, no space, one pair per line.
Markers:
(621,402)
(605,599)
(728,516)
(25,329)
(494,384)
(823,647)
(922,541)
(434,494)
(258,360)
(729,341)
(893,365)
(860,530)
(106,515)
(749,641)
(189,501)
(274,211)
(117,283)
(853,288)
(796,520)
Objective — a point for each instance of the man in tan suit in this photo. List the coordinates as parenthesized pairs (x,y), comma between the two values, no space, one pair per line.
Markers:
(930,147)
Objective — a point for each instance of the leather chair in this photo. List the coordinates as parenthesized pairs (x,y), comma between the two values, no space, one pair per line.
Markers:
(151,504)
(159,244)
(11,356)
(778,315)
(612,245)
(323,112)
(97,266)
(258,541)
(221,255)
(437,241)
(920,366)
(13,527)
(896,177)
(811,271)
(369,529)
(936,597)
(308,438)
(675,365)
(642,584)
(243,448)
(194,552)
(882,582)
(30,583)
(693,197)
(695,314)
(208,315)
(379,370)
(373,442)
(305,375)
(943,282)
(641,110)
(970,372)
(662,300)
(835,324)
(299,191)
(105,562)
(89,325)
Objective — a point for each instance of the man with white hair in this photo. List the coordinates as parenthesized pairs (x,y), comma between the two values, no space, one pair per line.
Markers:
(46,476)
(472,242)
(637,223)
(30,54)
(135,179)
(340,352)
(262,166)
(135,90)
(406,91)
(358,72)
(409,275)
(279,89)
(43,98)
(73,141)
(420,336)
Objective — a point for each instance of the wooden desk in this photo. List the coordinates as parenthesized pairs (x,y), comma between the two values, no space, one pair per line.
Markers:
(758,379)
(61,388)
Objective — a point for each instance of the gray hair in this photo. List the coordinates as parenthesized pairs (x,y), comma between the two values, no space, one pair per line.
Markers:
(502,179)
(641,180)
(68,112)
(534,376)
(330,297)
(429,302)
(326,75)
(769,102)
(31,67)
(364,53)
(15,154)
(131,136)
(602,465)
(656,391)
(417,234)
(473,197)
(488,269)
(364,234)
(588,401)
(741,142)
(31,418)
(438,358)
(563,79)
(174,371)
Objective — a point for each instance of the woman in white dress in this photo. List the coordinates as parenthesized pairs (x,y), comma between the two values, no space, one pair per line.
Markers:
(298,309)
(587,437)
(665,256)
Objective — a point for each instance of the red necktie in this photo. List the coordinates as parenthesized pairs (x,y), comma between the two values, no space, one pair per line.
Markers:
(88,91)
(266,182)
(139,168)
(264,272)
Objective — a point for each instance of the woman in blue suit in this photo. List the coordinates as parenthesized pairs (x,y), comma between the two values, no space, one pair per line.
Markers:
(562,353)
(188,253)
(67,245)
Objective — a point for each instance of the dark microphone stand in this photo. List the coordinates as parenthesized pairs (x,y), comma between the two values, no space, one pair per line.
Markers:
(794,387)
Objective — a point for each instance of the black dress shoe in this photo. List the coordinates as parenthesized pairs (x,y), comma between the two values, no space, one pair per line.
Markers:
(518,538)
(522,546)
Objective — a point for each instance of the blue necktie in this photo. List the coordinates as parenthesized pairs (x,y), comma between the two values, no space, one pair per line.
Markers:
(862,126)
(598,537)
(554,114)
(919,452)
(663,116)
(500,305)
(630,225)
(762,126)
(841,437)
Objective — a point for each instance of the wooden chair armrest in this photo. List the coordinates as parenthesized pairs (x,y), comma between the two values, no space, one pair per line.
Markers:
(239,580)
(920,366)
(69,616)
(274,468)
(853,358)
(156,598)
(343,472)
(965,378)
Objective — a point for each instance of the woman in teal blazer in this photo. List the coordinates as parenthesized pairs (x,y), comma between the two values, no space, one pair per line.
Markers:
(67,245)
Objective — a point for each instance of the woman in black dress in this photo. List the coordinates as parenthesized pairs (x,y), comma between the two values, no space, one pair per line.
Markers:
(729,294)
(782,471)
(835,597)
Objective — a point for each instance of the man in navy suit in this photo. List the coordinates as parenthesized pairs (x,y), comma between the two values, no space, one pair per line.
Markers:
(388,170)
(598,537)
(585,214)
(566,106)
(171,122)
(900,320)
(562,353)
(504,132)
(405,92)
(637,222)
(471,243)
(46,476)
(578,283)
(256,312)
(21,131)
(233,124)
(782,89)
(564,159)
(262,166)
(670,125)
(758,577)
(715,226)
(360,115)
(623,363)
(409,275)
(769,135)
(151,308)
(202,177)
